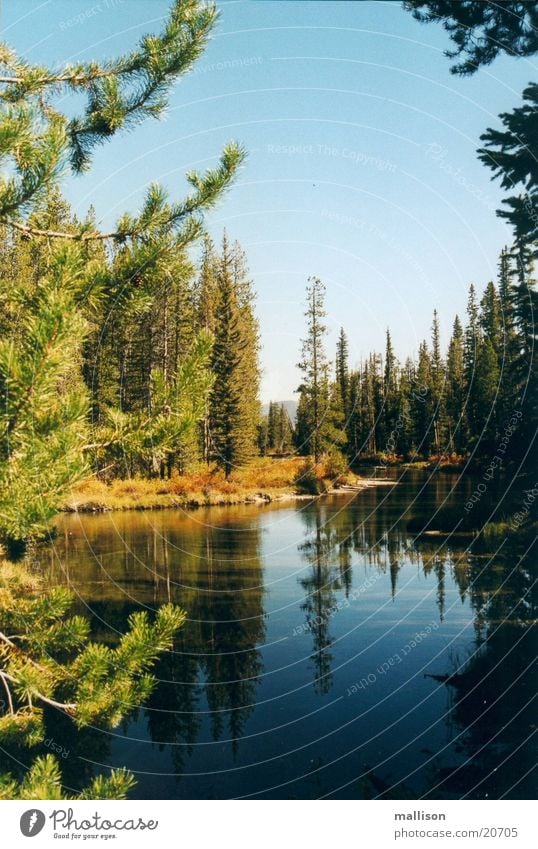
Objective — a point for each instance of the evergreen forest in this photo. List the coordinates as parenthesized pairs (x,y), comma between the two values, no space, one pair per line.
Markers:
(134,355)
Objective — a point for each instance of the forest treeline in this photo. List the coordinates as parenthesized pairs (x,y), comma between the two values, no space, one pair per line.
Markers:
(453,402)
(155,366)
(121,354)
(170,364)
(169,370)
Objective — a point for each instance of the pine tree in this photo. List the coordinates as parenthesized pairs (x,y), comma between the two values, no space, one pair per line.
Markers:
(285,430)
(368,407)
(423,407)
(390,395)
(315,387)
(503,285)
(353,422)
(480,31)
(303,423)
(144,322)
(231,436)
(523,294)
(455,390)
(459,405)
(279,428)
(510,154)
(490,321)
(485,388)
(45,658)
(250,374)
(334,426)
(524,298)
(150,440)
(42,418)
(206,299)
(40,144)
(263,437)
(41,141)
(404,436)
(437,385)
(508,346)
(272,426)
(470,356)
(375,372)
(342,370)
(206,288)
(46,662)
(490,318)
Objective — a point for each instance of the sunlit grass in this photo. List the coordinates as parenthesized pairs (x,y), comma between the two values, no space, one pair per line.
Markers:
(264,479)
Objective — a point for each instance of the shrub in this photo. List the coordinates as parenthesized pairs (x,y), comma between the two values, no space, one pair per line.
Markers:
(306,480)
(335,464)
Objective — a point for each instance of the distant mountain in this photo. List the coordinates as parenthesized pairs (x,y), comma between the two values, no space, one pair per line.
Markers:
(290,406)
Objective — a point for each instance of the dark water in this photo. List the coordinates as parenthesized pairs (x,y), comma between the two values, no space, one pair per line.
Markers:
(328,652)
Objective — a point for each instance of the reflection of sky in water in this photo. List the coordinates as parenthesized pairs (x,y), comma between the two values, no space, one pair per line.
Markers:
(314,632)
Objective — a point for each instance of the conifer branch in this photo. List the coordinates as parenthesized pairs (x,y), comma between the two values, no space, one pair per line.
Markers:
(64,706)
(158,216)
(7,640)
(8,692)
(54,292)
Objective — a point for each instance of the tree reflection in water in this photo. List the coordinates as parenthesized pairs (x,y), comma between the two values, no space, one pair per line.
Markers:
(213,689)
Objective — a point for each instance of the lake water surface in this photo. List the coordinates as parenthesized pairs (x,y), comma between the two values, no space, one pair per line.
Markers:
(328,652)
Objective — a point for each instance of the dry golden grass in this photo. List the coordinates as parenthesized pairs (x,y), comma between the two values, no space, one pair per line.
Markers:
(16,581)
(264,478)
(268,472)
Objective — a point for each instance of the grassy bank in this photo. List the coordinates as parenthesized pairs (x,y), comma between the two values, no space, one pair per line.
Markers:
(435,462)
(265,479)
(454,521)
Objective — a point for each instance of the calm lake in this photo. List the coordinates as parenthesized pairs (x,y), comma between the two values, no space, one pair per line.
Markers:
(328,651)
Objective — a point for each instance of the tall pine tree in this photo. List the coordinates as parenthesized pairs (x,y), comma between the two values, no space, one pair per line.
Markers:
(234,402)
(314,398)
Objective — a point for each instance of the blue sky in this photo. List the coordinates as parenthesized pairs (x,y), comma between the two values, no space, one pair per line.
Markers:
(361,166)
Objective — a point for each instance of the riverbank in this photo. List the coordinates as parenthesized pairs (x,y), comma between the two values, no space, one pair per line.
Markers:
(263,481)
(453,463)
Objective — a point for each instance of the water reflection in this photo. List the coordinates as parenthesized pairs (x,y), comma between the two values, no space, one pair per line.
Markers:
(320,585)
(288,607)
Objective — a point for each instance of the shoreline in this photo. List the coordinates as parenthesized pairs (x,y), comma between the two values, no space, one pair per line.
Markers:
(132,500)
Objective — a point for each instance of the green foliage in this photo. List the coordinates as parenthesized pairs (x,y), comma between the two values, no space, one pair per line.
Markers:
(234,402)
(455,390)
(511,155)
(390,391)
(500,375)
(460,404)
(46,661)
(148,438)
(44,781)
(38,140)
(342,371)
(306,480)
(68,302)
(110,683)
(524,363)
(42,410)
(335,464)
(276,430)
(320,414)
(481,30)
